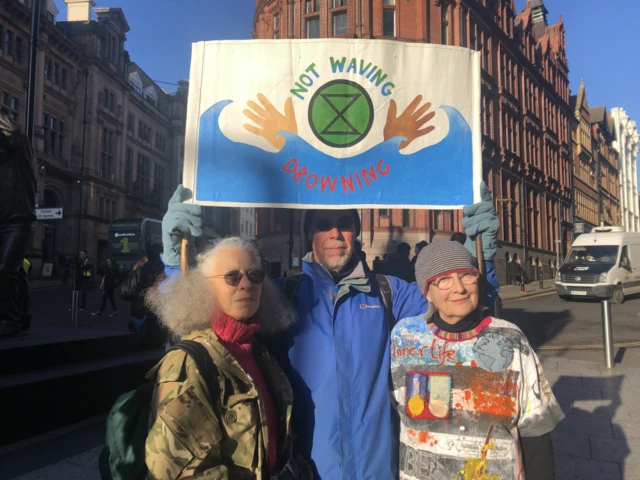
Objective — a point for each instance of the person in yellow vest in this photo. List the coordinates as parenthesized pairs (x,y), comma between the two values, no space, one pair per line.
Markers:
(24,290)
(83,277)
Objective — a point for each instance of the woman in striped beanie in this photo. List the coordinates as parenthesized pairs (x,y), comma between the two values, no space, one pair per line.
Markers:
(473,400)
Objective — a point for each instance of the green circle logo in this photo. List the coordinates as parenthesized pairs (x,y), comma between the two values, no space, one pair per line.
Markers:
(341,113)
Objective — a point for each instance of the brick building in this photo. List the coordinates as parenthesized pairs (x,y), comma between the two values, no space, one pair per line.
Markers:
(109,140)
(525,114)
(585,169)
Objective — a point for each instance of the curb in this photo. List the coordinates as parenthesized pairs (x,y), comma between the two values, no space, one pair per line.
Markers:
(529,295)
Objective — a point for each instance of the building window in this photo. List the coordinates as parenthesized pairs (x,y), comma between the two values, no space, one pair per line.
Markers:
(131,121)
(384,212)
(144,132)
(128,168)
(10,106)
(19,50)
(8,42)
(160,142)
(406,218)
(463,27)
(158,181)
(313,6)
(108,100)
(339,3)
(313,27)
(340,23)
(106,164)
(276,26)
(444,22)
(142,176)
(389,21)
(53,132)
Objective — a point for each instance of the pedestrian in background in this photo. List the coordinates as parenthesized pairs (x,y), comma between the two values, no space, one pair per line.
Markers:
(377,265)
(17,212)
(418,249)
(66,268)
(147,272)
(110,281)
(399,265)
(362,255)
(24,292)
(83,274)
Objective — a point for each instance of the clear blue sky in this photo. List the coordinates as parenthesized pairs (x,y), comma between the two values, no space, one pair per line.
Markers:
(602,42)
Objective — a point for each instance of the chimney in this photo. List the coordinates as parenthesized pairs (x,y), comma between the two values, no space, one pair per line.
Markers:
(539,13)
(79,10)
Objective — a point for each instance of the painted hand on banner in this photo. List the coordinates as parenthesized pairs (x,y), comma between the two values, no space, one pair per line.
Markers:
(270,120)
(410,123)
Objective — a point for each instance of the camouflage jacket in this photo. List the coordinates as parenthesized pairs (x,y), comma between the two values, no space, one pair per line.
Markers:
(188,438)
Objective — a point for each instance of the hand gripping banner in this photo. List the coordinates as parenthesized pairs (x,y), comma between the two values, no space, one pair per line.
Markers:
(333,124)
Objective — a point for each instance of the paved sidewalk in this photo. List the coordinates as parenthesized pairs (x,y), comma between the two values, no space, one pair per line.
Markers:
(512,292)
(600,436)
(599,439)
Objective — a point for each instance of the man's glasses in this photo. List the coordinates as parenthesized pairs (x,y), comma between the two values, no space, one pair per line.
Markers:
(324,224)
(234,277)
(446,283)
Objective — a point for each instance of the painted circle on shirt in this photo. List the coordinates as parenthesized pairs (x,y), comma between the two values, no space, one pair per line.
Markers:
(493,352)
(438,408)
(416,405)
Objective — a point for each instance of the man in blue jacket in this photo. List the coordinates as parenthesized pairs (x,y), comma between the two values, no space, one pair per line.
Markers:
(338,353)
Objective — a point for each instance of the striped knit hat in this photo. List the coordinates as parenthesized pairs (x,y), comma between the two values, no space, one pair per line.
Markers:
(442,257)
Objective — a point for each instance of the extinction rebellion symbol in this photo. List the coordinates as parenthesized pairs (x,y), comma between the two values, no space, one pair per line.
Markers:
(341,113)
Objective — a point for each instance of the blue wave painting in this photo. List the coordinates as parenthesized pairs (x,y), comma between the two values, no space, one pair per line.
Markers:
(233,172)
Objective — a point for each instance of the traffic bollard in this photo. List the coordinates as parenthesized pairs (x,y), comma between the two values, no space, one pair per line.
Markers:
(607,333)
(74,309)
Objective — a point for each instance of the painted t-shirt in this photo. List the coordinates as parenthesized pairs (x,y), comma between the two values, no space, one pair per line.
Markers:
(464,399)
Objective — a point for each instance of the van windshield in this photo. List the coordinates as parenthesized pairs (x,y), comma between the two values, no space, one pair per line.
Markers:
(602,254)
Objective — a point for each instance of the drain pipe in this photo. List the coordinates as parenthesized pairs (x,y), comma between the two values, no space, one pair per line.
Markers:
(359,25)
(290,19)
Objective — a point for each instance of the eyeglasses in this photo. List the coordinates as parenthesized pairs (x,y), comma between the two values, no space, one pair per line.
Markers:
(324,224)
(234,277)
(446,283)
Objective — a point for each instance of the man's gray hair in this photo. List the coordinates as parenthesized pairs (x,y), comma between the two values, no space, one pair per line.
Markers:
(185,303)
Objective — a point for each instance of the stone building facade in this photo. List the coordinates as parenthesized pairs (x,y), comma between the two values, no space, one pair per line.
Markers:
(626,143)
(525,115)
(109,140)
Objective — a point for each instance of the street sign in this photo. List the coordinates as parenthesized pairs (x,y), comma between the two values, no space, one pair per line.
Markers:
(49,213)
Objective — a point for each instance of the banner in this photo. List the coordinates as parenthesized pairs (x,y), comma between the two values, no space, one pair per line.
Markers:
(333,123)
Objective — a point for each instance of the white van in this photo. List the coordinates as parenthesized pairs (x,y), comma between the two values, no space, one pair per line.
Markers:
(604,264)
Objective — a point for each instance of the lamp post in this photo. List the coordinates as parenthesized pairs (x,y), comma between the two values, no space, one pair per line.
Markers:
(33,59)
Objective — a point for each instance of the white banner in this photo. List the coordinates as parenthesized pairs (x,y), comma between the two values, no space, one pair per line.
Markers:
(333,123)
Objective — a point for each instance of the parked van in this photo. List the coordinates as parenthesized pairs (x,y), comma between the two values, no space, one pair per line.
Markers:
(604,264)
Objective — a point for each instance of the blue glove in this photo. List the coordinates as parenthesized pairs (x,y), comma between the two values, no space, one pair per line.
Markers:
(180,218)
(481,219)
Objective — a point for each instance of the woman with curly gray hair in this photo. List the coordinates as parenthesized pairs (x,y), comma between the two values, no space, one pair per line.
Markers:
(226,303)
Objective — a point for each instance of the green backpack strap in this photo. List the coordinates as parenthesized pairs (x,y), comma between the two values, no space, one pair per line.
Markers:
(123,455)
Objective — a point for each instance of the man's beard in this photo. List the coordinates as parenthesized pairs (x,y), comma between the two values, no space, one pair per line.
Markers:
(337,263)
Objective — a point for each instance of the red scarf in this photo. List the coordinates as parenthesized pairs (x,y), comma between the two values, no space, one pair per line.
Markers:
(236,337)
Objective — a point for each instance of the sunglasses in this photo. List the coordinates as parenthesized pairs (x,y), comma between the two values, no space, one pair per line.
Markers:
(324,224)
(234,277)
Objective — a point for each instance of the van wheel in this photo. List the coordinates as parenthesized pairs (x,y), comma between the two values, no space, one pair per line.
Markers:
(618,295)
